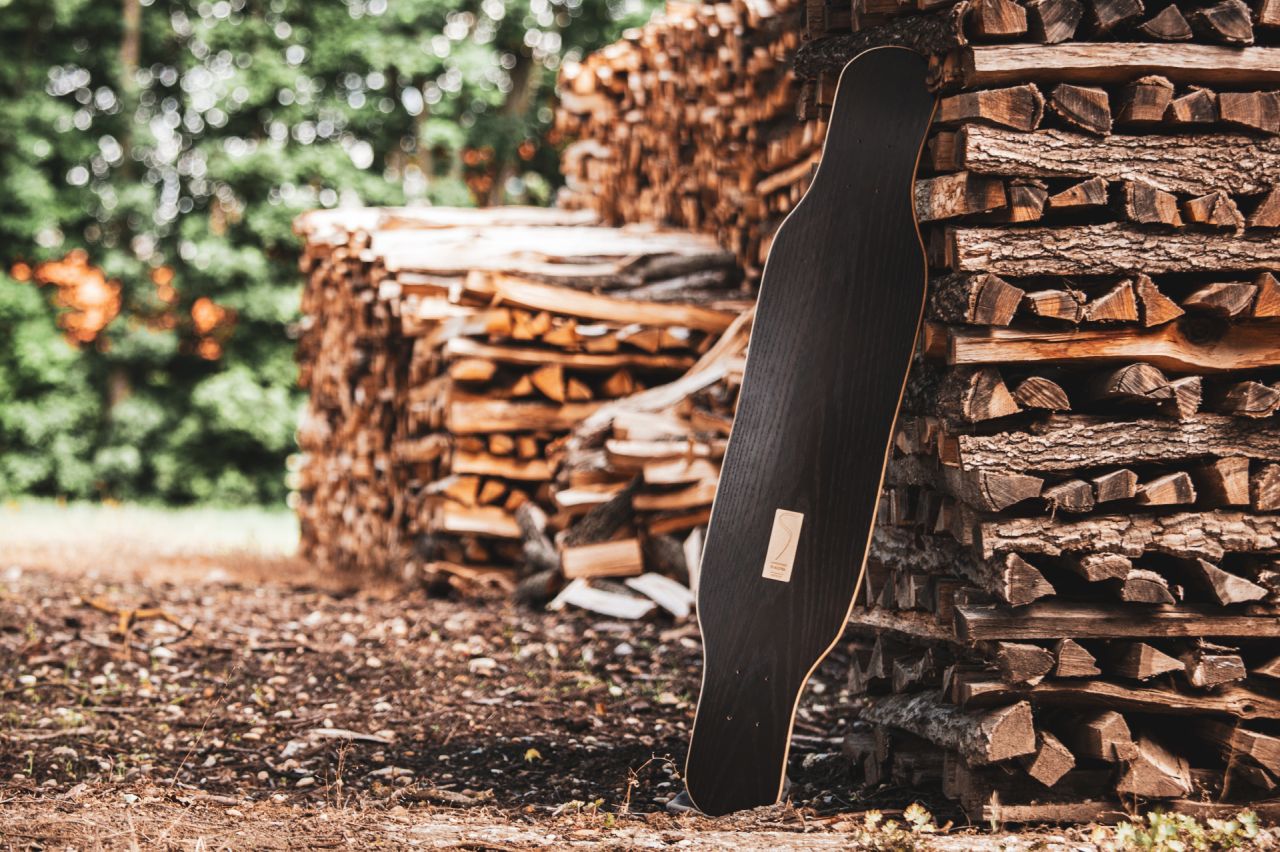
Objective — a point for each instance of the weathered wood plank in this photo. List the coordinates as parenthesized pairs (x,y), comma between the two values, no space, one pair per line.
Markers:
(995,65)
(1053,619)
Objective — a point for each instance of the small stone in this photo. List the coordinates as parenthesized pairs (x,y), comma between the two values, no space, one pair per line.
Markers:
(27,680)
(129,798)
(382,707)
(624,649)
(373,663)
(65,751)
(482,665)
(309,781)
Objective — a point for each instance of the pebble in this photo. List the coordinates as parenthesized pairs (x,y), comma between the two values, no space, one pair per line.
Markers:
(309,781)
(65,751)
(382,707)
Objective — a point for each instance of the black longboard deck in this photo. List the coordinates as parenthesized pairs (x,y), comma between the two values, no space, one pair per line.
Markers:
(840,305)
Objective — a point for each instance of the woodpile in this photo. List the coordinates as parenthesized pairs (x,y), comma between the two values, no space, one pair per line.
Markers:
(1073,596)
(449,354)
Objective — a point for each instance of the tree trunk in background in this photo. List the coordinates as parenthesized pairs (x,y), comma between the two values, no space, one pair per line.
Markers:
(515,106)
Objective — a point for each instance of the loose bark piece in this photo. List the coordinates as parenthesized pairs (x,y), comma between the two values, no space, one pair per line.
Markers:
(1085,107)
(1267,214)
(1141,661)
(1051,761)
(1264,489)
(1255,110)
(1210,666)
(1104,736)
(1248,399)
(1167,25)
(1074,495)
(1267,303)
(958,194)
(1133,383)
(1155,772)
(1066,305)
(1186,397)
(1225,587)
(1073,660)
(1172,489)
(1053,21)
(1223,482)
(1115,485)
(1119,304)
(1143,586)
(1144,101)
(1083,195)
(1194,163)
(1215,210)
(1018,107)
(1157,308)
(980,738)
(1199,106)
(1096,567)
(997,18)
(1145,204)
(1041,393)
(975,300)
(1020,662)
(1227,22)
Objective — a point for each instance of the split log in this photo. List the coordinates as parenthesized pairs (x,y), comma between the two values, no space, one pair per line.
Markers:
(1104,736)
(1267,302)
(1193,535)
(975,395)
(1264,489)
(1084,195)
(1022,663)
(1255,110)
(1247,399)
(1167,25)
(1017,107)
(1227,22)
(989,737)
(958,194)
(1155,772)
(1073,495)
(1066,305)
(1051,761)
(1145,204)
(1237,742)
(1144,101)
(1197,163)
(1140,661)
(1267,213)
(1068,442)
(1174,347)
(1199,106)
(1223,482)
(1146,587)
(974,299)
(1072,660)
(1224,587)
(1119,304)
(1118,62)
(1119,484)
(1085,107)
(1187,396)
(1047,620)
(1027,197)
(1041,393)
(1096,567)
(1053,21)
(606,559)
(1139,382)
(1228,299)
(1107,249)
(1227,700)
(1157,308)
(997,18)
(1208,666)
(1215,210)
(1172,489)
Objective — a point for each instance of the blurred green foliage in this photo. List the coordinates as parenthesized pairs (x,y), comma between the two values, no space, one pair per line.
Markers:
(173,143)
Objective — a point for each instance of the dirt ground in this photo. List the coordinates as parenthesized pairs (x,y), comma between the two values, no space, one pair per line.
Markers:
(211,697)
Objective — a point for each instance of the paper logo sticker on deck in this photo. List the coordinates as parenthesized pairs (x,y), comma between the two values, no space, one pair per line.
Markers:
(784,539)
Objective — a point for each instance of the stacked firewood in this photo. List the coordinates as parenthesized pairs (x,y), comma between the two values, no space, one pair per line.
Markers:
(1073,596)
(449,354)
(690,121)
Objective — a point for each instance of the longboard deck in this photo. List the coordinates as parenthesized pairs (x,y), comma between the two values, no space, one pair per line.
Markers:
(841,300)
